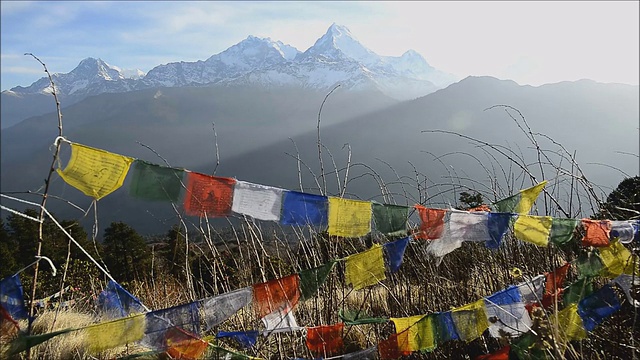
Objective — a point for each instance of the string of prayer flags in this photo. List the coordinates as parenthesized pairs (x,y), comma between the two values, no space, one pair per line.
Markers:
(415,333)
(154,182)
(183,345)
(395,253)
(553,284)
(219,308)
(115,333)
(628,283)
(159,322)
(312,279)
(390,220)
(462,226)
(275,294)
(258,201)
(570,324)
(431,223)
(521,202)
(365,268)
(12,297)
(349,218)
(116,302)
(303,209)
(617,260)
(497,224)
(593,309)
(596,232)
(533,229)
(506,313)
(246,339)
(97,173)
(562,230)
(208,196)
(470,320)
(325,340)
(444,328)
(280,320)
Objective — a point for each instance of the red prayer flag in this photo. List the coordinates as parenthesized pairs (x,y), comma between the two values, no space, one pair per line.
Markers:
(502,354)
(208,196)
(275,294)
(8,326)
(432,222)
(388,348)
(325,340)
(596,232)
(553,284)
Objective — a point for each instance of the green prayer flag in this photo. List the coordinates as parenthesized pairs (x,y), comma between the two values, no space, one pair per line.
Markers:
(390,219)
(589,265)
(155,182)
(24,343)
(528,346)
(358,317)
(562,230)
(576,291)
(507,205)
(312,279)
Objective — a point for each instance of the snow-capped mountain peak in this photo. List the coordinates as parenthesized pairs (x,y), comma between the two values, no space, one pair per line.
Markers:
(339,44)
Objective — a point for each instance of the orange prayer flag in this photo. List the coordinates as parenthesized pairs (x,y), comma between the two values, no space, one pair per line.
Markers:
(208,196)
(184,345)
(553,284)
(502,354)
(275,294)
(596,232)
(325,340)
(432,222)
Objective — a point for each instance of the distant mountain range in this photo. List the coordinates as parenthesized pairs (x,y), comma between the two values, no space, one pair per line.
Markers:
(336,58)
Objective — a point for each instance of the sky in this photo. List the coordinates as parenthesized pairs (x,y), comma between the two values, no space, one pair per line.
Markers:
(532,43)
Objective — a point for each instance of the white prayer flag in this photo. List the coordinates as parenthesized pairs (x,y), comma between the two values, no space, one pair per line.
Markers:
(280,320)
(258,201)
(219,308)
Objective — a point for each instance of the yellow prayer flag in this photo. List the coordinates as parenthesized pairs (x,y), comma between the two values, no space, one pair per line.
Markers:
(528,197)
(570,324)
(617,260)
(115,333)
(95,172)
(349,218)
(533,229)
(415,333)
(470,320)
(365,268)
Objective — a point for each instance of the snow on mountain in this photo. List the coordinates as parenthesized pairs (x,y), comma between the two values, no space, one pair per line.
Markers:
(336,57)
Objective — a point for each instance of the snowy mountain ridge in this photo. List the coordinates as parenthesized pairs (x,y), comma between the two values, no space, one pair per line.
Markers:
(336,58)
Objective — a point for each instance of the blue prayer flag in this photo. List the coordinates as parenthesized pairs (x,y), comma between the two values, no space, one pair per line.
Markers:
(12,297)
(395,253)
(510,295)
(497,224)
(246,339)
(116,302)
(445,330)
(159,322)
(304,209)
(594,308)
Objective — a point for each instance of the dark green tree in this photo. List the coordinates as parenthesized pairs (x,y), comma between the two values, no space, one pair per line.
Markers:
(623,202)
(8,253)
(125,253)
(470,201)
